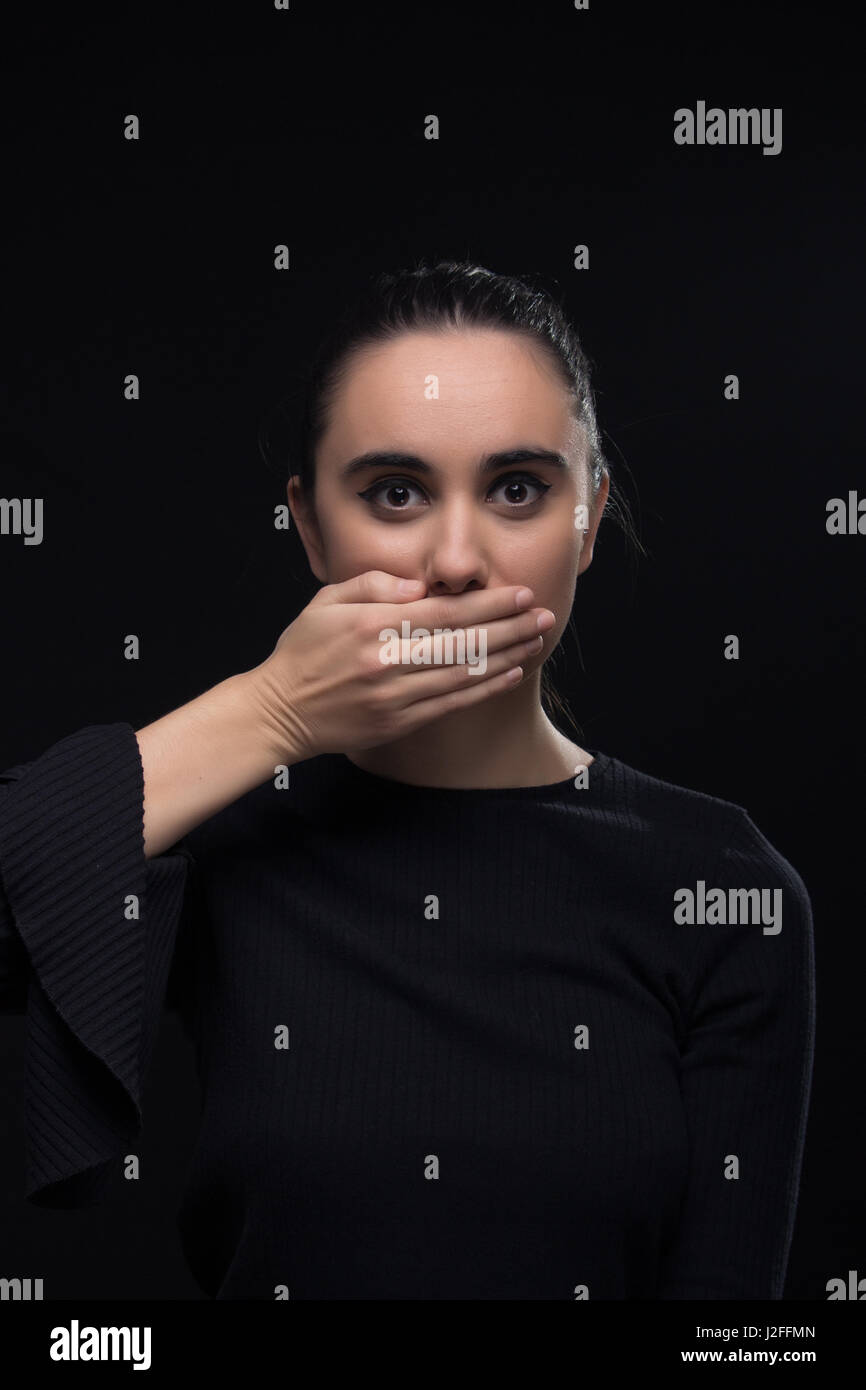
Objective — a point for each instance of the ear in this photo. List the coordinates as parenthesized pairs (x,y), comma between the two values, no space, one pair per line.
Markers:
(304,514)
(594,522)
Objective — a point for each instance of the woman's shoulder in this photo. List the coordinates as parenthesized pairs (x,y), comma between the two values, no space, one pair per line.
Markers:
(714,823)
(727,841)
(662,800)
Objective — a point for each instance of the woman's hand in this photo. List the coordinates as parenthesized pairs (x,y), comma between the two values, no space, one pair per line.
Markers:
(326,689)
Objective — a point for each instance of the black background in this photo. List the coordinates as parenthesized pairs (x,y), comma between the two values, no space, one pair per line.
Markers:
(556,127)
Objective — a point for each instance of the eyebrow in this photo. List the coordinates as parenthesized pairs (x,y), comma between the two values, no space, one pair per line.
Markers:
(490,463)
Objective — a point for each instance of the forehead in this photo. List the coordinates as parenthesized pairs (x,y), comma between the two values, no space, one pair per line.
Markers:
(478,388)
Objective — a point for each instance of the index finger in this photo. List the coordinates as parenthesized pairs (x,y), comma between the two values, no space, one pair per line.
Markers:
(476,606)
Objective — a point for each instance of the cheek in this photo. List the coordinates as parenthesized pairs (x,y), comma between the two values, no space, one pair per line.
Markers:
(351,547)
(552,578)
(550,571)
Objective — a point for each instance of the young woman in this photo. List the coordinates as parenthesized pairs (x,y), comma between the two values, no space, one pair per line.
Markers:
(480,1013)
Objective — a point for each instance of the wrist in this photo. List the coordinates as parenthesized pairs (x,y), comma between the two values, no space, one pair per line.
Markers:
(257,691)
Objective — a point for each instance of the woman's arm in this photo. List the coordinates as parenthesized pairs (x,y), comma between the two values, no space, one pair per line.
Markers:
(324,688)
(201,757)
(746,1075)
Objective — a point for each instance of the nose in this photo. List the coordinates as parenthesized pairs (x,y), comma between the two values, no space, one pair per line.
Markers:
(456,553)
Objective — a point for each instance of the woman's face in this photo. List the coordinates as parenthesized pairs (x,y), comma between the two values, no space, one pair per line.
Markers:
(445,402)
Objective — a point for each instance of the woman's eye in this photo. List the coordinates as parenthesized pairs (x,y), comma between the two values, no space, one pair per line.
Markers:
(396,490)
(519,482)
(385,488)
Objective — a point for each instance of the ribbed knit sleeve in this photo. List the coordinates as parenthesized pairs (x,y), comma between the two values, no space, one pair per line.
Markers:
(87,935)
(746,1079)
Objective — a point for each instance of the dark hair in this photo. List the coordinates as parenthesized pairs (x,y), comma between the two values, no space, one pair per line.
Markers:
(454,294)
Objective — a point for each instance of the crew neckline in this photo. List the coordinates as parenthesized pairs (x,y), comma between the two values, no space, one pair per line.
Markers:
(598,772)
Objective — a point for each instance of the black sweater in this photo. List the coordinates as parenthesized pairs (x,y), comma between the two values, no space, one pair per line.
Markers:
(453,1044)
